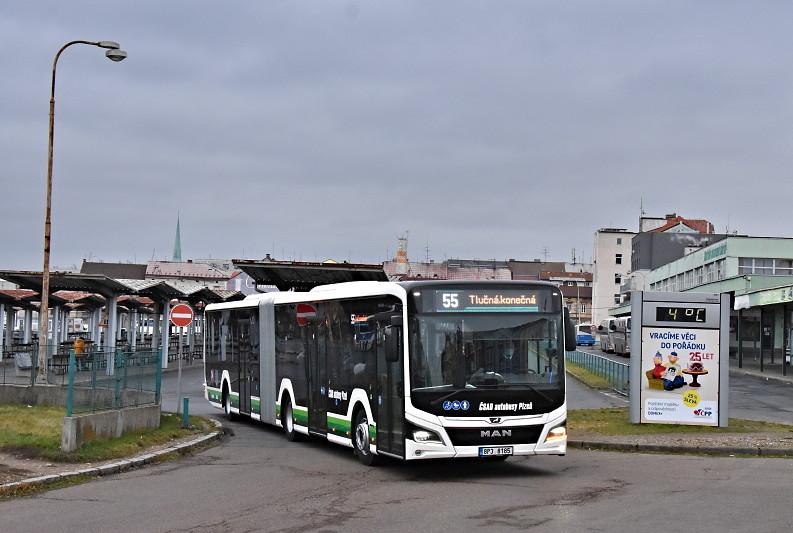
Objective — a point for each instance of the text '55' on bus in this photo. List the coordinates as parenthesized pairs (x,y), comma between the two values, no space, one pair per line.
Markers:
(409,370)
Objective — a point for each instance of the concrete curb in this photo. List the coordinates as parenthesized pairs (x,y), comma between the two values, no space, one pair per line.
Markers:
(756,374)
(696,450)
(121,465)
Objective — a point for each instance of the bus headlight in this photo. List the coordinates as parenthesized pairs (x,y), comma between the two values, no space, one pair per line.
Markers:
(423,435)
(556,434)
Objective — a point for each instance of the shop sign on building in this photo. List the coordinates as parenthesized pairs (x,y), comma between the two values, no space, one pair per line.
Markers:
(679,358)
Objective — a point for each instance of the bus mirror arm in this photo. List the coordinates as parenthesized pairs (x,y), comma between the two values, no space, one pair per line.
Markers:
(396,320)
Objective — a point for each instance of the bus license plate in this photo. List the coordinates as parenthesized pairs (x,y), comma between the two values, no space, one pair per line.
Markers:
(495,450)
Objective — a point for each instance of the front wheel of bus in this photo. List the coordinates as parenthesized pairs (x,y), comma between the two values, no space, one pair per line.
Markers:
(360,440)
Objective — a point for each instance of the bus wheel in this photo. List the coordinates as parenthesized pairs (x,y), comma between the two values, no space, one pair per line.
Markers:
(227,404)
(288,421)
(360,439)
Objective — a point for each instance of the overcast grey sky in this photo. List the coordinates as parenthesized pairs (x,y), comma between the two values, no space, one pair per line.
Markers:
(325,129)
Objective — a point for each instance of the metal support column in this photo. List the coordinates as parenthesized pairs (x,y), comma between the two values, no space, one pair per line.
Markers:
(110,336)
(27,335)
(96,333)
(53,339)
(166,336)
(10,317)
(740,338)
(155,328)
(133,330)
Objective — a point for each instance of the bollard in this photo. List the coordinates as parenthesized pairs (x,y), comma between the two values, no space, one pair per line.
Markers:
(185,412)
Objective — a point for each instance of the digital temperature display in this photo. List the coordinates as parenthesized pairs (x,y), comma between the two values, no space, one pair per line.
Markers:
(680,314)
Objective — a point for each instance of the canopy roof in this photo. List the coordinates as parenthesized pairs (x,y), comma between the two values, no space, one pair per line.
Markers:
(302,276)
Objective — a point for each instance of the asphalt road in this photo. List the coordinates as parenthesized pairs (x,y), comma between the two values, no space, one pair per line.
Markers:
(257,481)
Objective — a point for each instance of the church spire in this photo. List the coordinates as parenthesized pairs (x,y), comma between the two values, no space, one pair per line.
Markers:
(177,243)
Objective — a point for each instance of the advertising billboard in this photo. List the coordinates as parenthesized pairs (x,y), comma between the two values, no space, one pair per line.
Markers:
(679,358)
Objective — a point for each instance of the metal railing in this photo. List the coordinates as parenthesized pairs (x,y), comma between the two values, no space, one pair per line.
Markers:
(616,374)
(102,380)
(19,365)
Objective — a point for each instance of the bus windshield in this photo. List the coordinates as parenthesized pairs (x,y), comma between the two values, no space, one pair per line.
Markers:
(490,351)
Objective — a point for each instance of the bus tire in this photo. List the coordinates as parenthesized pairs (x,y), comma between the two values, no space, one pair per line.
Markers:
(227,403)
(360,439)
(288,421)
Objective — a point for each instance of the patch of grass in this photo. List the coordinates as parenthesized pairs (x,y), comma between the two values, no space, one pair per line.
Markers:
(29,490)
(586,376)
(35,432)
(24,426)
(615,421)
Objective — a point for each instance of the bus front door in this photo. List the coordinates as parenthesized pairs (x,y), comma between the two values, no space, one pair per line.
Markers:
(391,397)
(317,380)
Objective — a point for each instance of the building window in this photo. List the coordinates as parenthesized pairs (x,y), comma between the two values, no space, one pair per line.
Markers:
(618,259)
(617,299)
(570,284)
(698,276)
(783,267)
(617,279)
(619,240)
(764,266)
(583,308)
(745,265)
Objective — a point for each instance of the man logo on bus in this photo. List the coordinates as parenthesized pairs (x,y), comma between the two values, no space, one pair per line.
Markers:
(464,405)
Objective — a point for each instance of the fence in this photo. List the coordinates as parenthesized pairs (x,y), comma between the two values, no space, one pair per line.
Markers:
(134,379)
(20,365)
(614,372)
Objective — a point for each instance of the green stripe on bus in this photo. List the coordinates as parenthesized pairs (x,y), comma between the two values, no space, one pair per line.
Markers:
(300,414)
(256,404)
(214,395)
(338,425)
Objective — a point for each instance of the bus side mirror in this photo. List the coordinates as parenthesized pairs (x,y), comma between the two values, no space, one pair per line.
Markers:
(392,345)
(569,332)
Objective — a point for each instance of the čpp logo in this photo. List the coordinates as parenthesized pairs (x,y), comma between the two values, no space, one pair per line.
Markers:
(456,405)
(703,412)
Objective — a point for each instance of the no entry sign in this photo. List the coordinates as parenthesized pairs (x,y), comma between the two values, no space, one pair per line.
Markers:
(181,315)
(305,312)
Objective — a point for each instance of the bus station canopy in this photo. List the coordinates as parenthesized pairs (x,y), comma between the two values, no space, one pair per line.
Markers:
(101,286)
(304,276)
(65,281)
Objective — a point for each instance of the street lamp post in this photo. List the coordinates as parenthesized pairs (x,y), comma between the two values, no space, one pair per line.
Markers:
(114,53)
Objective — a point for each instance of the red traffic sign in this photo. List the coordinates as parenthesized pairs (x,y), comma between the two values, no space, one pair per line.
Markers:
(305,313)
(181,315)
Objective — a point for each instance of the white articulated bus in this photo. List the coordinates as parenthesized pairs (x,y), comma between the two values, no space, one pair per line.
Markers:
(408,370)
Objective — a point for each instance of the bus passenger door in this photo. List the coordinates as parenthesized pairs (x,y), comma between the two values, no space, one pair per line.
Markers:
(317,379)
(243,344)
(390,390)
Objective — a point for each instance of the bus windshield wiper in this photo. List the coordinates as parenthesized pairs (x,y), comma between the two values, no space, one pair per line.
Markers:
(533,389)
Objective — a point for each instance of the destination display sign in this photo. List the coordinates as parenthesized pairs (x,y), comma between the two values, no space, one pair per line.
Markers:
(491,301)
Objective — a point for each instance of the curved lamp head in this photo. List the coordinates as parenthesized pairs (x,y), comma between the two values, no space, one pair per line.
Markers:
(108,44)
(116,55)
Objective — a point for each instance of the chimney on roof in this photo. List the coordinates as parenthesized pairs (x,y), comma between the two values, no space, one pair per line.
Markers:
(670,216)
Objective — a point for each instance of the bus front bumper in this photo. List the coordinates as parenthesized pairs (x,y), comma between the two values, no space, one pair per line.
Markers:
(547,444)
